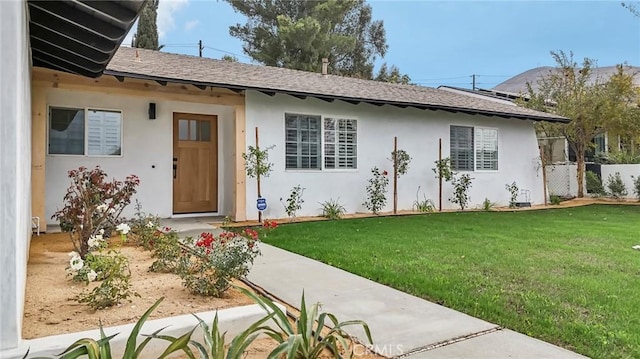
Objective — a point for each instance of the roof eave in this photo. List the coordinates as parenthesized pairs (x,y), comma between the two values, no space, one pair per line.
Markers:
(300,94)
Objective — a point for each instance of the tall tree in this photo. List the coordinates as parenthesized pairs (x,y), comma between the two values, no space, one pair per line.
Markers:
(146,36)
(592,105)
(392,74)
(297,34)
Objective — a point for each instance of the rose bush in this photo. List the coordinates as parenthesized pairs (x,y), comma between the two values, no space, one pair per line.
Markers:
(209,263)
(92,205)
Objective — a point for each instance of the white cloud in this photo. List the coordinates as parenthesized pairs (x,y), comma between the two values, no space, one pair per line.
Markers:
(166,11)
(189,25)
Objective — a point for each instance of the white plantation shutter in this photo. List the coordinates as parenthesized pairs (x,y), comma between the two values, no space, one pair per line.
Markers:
(302,141)
(104,135)
(340,143)
(461,148)
(486,149)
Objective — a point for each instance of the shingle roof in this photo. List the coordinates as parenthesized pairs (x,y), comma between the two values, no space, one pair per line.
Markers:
(162,66)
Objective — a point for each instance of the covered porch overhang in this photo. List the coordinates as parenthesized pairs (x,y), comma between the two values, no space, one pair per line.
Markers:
(43,80)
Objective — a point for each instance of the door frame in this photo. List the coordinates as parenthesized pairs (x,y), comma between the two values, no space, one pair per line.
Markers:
(214,175)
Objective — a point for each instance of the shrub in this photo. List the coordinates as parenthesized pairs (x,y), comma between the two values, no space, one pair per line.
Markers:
(424,204)
(332,209)
(401,160)
(594,184)
(443,169)
(144,228)
(461,187)
(376,190)
(166,248)
(210,263)
(113,270)
(93,204)
(617,157)
(257,162)
(636,186)
(266,228)
(513,193)
(304,338)
(487,205)
(555,199)
(617,188)
(294,201)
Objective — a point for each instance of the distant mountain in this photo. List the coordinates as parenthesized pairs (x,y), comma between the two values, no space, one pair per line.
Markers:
(518,83)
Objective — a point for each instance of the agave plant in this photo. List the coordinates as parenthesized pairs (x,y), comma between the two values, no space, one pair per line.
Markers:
(304,338)
(101,348)
(214,342)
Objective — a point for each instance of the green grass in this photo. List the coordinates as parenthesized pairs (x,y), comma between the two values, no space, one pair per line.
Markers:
(565,276)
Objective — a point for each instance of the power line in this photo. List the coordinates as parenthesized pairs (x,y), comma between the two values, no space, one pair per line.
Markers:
(227,52)
(445,78)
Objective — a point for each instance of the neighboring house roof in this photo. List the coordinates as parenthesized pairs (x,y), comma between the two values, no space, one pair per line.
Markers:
(79,37)
(161,66)
(518,84)
(486,94)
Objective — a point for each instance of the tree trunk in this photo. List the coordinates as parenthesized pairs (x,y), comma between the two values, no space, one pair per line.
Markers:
(581,169)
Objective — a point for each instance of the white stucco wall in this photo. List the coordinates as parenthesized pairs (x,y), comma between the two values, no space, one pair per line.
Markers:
(146,143)
(15,169)
(418,132)
(626,171)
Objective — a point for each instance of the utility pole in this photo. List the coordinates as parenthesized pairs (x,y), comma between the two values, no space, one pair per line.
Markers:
(473,83)
(200,47)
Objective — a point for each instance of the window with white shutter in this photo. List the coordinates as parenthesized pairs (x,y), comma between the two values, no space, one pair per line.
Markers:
(67,135)
(473,149)
(340,143)
(313,142)
(461,144)
(486,149)
(302,141)
(103,133)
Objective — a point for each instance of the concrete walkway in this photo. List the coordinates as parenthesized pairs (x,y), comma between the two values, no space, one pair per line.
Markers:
(401,325)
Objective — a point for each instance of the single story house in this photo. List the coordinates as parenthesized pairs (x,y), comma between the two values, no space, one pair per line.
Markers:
(181,123)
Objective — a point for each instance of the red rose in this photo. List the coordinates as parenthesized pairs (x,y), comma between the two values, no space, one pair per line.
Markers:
(384,173)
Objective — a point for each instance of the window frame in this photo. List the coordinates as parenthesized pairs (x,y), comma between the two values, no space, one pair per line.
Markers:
(474,149)
(85,147)
(322,142)
(337,118)
(320,152)
(475,157)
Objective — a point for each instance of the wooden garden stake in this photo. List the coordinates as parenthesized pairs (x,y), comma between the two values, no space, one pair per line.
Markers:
(395,175)
(258,174)
(439,175)
(544,174)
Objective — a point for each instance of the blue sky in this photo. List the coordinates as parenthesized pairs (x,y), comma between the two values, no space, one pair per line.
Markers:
(445,42)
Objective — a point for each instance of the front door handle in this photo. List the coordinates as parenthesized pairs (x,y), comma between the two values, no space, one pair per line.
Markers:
(175,167)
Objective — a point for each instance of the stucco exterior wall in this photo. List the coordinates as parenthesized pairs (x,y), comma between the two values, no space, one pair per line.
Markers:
(15,170)
(146,143)
(418,132)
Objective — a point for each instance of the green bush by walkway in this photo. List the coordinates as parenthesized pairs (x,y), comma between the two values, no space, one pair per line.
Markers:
(565,276)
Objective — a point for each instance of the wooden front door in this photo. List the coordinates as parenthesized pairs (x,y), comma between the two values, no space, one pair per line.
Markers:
(195,163)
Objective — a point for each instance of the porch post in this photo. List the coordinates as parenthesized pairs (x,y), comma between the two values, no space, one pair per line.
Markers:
(240,189)
(38,154)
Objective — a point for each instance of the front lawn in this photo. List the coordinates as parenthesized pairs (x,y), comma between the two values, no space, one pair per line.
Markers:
(566,276)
